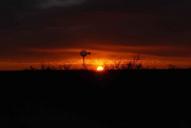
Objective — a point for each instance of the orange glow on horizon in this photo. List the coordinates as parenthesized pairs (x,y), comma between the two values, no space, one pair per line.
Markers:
(108,56)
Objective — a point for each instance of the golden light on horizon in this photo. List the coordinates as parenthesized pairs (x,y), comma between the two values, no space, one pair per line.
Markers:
(100,68)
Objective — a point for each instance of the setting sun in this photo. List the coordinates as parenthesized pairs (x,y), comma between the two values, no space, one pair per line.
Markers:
(100,68)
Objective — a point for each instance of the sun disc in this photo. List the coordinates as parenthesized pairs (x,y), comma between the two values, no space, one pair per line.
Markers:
(100,68)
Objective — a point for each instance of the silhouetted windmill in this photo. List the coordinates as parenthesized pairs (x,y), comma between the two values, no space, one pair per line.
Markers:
(83,54)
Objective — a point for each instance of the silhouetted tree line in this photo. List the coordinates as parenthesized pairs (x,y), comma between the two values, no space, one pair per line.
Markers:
(133,64)
(51,68)
(118,64)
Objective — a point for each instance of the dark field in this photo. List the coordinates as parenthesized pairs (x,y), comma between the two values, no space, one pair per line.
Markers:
(84,99)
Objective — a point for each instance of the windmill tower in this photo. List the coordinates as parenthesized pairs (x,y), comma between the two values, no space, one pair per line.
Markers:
(83,54)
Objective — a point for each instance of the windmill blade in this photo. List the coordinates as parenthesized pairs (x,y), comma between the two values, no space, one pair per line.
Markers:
(84,53)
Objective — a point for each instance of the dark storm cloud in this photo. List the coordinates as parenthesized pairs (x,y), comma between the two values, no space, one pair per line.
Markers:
(14,5)
(140,5)
(23,5)
(28,24)
(14,11)
(60,3)
(97,4)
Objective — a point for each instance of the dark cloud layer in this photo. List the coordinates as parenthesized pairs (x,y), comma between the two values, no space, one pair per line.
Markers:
(27,24)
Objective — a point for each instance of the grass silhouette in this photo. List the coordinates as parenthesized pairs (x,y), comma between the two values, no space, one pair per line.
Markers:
(81,98)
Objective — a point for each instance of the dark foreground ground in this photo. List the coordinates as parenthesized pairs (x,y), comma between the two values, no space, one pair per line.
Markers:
(82,99)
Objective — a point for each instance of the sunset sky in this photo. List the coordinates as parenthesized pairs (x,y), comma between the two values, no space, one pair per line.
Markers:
(35,32)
